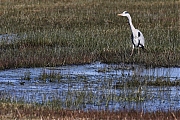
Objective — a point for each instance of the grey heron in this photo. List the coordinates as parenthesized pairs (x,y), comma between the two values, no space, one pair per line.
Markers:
(137,36)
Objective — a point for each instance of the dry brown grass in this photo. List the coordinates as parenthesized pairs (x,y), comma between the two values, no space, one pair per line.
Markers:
(21,111)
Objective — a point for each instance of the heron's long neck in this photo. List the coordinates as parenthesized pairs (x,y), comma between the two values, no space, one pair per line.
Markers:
(130,22)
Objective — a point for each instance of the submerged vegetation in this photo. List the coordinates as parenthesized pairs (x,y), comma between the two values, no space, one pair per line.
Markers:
(59,32)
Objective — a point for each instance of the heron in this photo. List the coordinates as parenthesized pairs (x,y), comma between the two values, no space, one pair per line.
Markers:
(136,36)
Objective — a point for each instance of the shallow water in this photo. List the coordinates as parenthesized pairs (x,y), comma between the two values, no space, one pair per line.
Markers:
(91,86)
(8,38)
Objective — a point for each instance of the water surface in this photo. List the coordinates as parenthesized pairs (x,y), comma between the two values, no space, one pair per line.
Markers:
(92,86)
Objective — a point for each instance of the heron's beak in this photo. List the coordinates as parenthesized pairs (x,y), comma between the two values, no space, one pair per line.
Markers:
(119,14)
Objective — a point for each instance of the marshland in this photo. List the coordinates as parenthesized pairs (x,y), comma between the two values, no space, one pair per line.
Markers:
(70,59)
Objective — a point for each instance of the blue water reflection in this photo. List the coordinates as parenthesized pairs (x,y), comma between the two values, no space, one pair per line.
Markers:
(96,79)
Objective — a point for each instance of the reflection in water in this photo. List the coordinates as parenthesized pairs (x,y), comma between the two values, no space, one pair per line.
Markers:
(91,86)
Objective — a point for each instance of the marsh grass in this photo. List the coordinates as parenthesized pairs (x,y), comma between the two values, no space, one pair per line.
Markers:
(26,111)
(76,32)
(27,76)
(139,81)
(54,33)
(21,111)
(129,91)
(51,77)
(80,93)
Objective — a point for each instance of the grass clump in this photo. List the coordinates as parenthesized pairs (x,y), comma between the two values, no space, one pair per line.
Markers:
(142,81)
(51,77)
(56,32)
(161,82)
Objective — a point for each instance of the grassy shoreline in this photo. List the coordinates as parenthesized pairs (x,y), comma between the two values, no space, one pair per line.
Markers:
(25,111)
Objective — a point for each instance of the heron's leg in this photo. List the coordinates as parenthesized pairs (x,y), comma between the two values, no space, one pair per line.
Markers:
(132,50)
(138,50)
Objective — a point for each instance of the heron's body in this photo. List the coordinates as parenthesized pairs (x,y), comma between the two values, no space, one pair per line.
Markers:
(137,37)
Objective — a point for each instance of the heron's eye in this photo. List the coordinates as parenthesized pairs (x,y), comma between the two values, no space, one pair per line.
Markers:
(126,12)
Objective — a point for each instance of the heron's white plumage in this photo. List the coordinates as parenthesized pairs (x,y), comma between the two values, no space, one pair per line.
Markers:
(137,36)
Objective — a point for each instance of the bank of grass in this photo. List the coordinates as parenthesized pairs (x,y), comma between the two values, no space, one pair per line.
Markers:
(62,32)
(25,111)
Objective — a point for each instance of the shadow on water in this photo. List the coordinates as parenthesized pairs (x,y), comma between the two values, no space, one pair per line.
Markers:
(94,86)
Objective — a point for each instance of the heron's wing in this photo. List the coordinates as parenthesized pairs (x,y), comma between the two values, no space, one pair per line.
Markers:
(140,37)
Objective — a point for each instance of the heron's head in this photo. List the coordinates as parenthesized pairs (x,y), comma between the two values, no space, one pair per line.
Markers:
(125,13)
